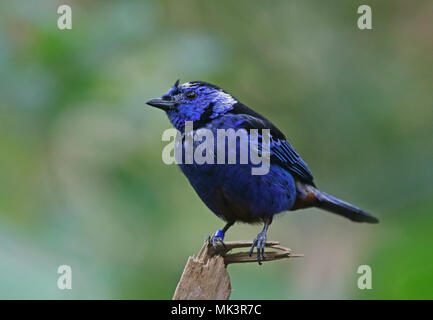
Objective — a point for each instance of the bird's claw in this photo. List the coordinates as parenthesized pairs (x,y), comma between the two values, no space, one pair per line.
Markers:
(259,242)
(215,241)
(217,238)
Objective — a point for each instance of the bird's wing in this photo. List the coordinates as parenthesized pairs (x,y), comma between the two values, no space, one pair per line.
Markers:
(281,151)
(286,155)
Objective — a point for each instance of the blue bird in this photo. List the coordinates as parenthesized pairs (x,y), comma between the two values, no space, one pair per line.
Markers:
(230,190)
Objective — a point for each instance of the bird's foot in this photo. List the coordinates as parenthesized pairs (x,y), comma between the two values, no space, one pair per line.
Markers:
(259,242)
(218,238)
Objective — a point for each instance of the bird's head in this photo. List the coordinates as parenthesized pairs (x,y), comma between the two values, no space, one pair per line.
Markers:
(196,101)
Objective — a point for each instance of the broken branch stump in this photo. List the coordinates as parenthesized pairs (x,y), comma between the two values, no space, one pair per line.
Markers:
(205,277)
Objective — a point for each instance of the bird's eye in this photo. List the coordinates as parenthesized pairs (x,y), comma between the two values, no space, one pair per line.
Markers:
(191,95)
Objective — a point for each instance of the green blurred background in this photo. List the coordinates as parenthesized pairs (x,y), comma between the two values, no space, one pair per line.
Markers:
(82,182)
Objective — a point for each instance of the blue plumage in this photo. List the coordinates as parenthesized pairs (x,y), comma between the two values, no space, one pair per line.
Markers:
(230,190)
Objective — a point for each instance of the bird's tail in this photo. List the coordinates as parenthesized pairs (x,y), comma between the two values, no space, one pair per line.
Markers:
(309,196)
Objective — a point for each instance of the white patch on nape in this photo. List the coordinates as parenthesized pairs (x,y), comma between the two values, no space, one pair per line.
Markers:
(227,98)
(224,102)
(186,85)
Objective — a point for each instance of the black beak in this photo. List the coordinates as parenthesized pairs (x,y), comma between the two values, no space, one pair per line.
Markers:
(161,104)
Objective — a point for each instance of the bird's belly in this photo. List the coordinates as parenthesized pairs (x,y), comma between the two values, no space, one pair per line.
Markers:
(234,194)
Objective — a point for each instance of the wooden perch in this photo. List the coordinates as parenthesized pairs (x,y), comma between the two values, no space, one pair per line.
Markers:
(206,278)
